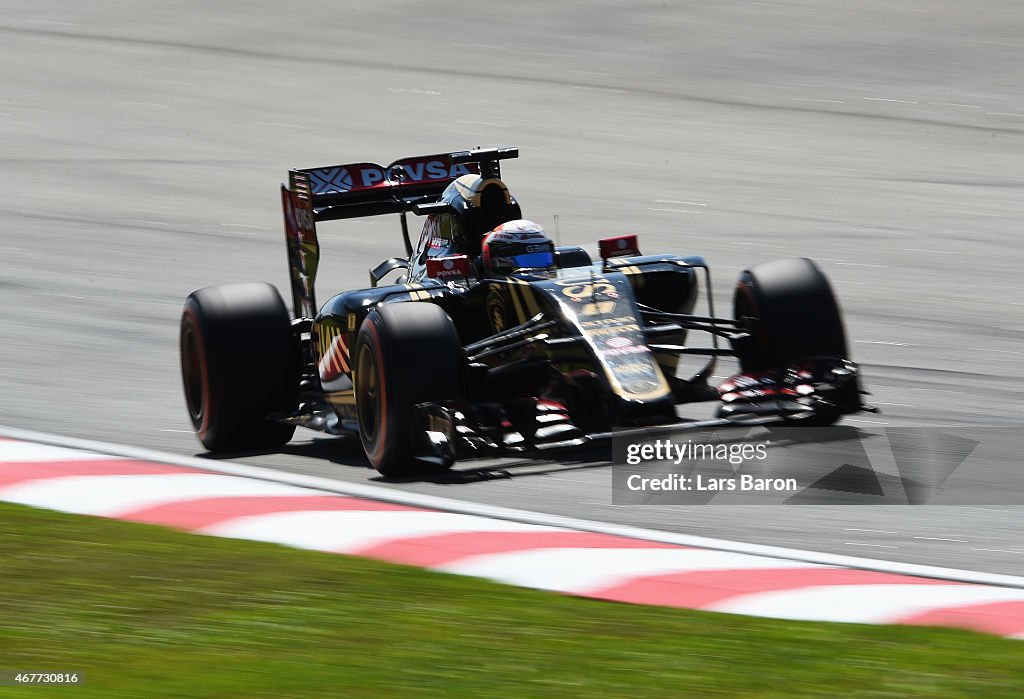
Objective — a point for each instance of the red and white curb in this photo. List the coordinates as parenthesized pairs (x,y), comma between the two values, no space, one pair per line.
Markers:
(548,553)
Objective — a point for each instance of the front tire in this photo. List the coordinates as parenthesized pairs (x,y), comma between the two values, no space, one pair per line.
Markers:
(239,364)
(405,353)
(791,312)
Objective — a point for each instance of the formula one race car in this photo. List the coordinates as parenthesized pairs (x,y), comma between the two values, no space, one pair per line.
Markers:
(494,342)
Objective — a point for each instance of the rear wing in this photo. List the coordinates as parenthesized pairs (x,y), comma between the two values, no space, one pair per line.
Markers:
(355,190)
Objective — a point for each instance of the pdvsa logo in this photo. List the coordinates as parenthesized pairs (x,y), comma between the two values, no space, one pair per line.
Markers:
(332,179)
(345,179)
(433,170)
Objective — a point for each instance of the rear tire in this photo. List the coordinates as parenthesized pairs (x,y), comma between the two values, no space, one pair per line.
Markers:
(793,315)
(405,353)
(239,363)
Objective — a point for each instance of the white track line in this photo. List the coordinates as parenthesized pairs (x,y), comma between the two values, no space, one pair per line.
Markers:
(385,494)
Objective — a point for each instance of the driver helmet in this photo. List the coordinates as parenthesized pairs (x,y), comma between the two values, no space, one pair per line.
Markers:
(518,244)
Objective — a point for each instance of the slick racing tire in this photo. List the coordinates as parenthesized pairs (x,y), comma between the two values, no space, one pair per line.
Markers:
(791,312)
(405,353)
(239,364)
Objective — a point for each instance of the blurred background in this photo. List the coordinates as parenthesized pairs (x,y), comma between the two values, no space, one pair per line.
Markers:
(143,144)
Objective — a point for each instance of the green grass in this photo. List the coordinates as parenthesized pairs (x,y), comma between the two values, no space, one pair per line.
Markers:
(149,612)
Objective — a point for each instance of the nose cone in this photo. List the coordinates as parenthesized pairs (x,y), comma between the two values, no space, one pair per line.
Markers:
(604,311)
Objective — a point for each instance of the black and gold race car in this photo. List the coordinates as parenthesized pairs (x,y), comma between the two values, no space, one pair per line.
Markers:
(455,359)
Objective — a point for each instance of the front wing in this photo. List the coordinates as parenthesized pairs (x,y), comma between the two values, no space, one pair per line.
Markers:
(811,392)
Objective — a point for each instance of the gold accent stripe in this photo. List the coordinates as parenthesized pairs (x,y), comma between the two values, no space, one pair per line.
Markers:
(635,275)
(347,397)
(531,298)
(513,290)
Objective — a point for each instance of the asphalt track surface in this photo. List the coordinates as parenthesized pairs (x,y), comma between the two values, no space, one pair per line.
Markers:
(142,146)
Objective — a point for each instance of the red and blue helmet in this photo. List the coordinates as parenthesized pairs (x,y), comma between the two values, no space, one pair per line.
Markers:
(518,244)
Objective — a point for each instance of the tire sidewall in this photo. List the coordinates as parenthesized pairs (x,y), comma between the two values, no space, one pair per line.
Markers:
(368,340)
(418,358)
(248,363)
(190,322)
